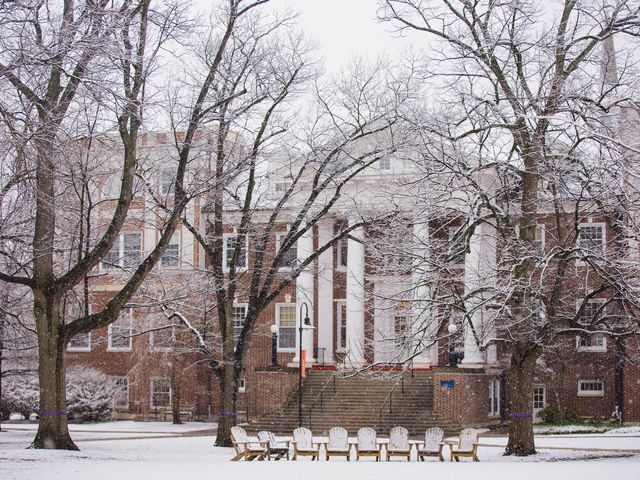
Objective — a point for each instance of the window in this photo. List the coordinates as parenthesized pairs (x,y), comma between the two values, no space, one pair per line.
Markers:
(592,309)
(120,332)
(82,341)
(239,314)
(121,398)
(160,392)
(281,187)
(166,182)
(538,397)
(591,237)
(494,398)
(343,248)
(595,342)
(161,339)
(384,163)
(456,246)
(342,325)
(171,256)
(290,257)
(539,240)
(590,388)
(125,252)
(286,320)
(230,243)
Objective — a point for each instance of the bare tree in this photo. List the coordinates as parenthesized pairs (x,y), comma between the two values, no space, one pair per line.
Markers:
(526,138)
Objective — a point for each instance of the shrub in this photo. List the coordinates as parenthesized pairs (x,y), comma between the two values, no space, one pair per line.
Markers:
(571,416)
(20,394)
(550,415)
(90,395)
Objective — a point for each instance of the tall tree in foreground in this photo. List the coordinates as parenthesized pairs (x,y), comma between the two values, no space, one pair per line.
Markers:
(528,127)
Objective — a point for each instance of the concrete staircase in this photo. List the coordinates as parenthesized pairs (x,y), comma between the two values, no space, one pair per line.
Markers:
(356,401)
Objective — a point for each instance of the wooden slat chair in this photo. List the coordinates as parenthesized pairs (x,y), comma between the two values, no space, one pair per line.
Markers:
(338,444)
(467,445)
(367,445)
(432,446)
(276,449)
(303,445)
(399,445)
(245,448)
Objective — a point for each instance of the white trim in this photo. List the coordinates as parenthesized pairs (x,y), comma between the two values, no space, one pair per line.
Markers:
(115,400)
(242,384)
(339,310)
(227,236)
(544,396)
(80,349)
(111,348)
(119,243)
(590,393)
(278,307)
(594,224)
(494,397)
(592,348)
(279,235)
(177,235)
(151,380)
(152,337)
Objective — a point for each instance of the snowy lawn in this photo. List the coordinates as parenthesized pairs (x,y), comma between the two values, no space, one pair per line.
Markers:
(593,456)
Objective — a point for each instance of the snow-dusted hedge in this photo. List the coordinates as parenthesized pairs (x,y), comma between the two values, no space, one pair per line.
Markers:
(90,394)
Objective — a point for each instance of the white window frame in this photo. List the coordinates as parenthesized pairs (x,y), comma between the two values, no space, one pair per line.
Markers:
(175,240)
(246,308)
(341,316)
(451,232)
(494,398)
(590,393)
(125,404)
(225,238)
(542,241)
(151,391)
(87,334)
(242,384)
(166,187)
(279,237)
(279,306)
(119,243)
(544,395)
(339,266)
(128,312)
(591,348)
(594,224)
(384,164)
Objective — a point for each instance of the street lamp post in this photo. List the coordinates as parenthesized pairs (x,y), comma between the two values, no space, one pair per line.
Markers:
(452,328)
(301,327)
(274,345)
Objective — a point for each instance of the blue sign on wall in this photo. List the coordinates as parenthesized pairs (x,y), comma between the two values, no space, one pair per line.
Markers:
(447,383)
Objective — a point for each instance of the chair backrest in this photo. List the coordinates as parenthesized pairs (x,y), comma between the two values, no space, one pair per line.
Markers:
(239,438)
(265,436)
(467,438)
(367,438)
(399,438)
(303,438)
(338,439)
(432,438)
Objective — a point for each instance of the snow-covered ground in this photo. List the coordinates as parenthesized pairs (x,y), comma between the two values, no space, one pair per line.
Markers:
(147,454)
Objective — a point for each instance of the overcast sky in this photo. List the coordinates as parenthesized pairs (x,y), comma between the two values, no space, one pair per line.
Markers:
(345,28)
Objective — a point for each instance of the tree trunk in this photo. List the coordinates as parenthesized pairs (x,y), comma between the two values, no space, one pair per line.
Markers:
(53,428)
(228,401)
(176,377)
(520,400)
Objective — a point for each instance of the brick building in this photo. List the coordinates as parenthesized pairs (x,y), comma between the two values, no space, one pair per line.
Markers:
(369,305)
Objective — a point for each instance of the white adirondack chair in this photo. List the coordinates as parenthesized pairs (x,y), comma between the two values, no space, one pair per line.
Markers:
(338,444)
(399,445)
(467,445)
(303,444)
(246,448)
(367,445)
(276,449)
(432,446)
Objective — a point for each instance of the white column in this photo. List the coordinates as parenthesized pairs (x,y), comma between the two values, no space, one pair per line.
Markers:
(304,294)
(355,299)
(325,293)
(479,273)
(424,319)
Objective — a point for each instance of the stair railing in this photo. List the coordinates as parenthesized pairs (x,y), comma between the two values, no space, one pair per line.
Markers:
(320,396)
(389,399)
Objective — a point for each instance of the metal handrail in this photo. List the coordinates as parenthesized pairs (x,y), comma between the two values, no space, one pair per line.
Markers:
(389,398)
(320,396)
